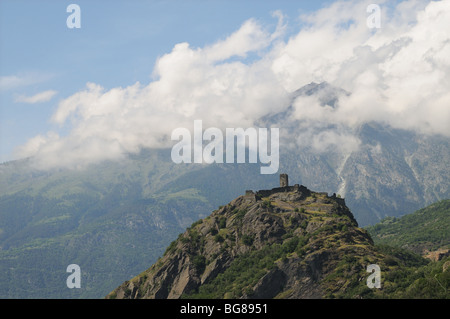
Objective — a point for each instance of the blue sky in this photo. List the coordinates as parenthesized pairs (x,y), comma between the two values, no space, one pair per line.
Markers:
(136,70)
(117,45)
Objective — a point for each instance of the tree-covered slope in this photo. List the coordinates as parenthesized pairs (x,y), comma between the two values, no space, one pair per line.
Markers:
(426,229)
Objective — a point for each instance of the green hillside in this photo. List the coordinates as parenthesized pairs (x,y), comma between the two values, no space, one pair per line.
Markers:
(425,229)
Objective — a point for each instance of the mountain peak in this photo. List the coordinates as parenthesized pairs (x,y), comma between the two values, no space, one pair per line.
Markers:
(327,94)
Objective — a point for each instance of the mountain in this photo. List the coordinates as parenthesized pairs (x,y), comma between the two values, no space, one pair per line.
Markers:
(392,172)
(423,231)
(108,220)
(115,218)
(288,242)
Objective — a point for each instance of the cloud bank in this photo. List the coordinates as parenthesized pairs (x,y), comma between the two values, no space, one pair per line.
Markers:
(397,75)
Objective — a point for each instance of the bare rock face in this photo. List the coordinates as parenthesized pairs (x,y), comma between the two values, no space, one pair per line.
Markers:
(270,285)
(438,254)
(281,243)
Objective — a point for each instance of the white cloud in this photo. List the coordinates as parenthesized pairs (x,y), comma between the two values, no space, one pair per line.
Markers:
(399,75)
(9,82)
(37,98)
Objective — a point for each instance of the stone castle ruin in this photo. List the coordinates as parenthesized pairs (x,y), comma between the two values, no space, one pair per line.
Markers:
(284,180)
(296,192)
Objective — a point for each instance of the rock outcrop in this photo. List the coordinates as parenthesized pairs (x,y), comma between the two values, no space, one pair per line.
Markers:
(288,242)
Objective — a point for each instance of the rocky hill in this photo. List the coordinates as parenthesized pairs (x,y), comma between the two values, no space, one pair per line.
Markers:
(288,242)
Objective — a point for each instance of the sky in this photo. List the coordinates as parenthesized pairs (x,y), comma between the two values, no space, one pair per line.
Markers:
(136,70)
(117,45)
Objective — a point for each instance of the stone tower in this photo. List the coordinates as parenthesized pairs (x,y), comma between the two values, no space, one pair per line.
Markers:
(284,182)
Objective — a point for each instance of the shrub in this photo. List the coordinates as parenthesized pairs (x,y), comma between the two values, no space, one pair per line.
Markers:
(390,261)
(290,245)
(199,263)
(218,238)
(247,240)
(241,213)
(267,203)
(171,247)
(222,222)
(198,222)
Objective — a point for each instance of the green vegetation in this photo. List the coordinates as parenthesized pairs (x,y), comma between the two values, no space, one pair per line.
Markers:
(218,238)
(222,222)
(267,203)
(401,278)
(427,228)
(247,240)
(246,270)
(405,274)
(199,262)
(116,219)
(240,214)
(275,251)
(113,220)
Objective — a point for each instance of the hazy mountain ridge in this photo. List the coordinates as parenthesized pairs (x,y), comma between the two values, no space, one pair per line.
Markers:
(96,218)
